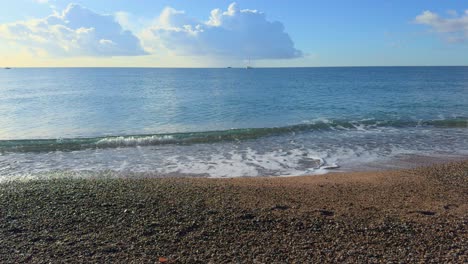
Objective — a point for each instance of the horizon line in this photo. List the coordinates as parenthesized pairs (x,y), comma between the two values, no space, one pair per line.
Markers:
(228,67)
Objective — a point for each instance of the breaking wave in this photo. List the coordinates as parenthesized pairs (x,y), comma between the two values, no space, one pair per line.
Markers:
(72,144)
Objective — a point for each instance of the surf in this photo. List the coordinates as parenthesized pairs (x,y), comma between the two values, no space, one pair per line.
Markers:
(240,134)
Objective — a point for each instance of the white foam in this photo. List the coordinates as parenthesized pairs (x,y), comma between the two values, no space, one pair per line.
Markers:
(237,162)
(301,154)
(134,141)
(244,163)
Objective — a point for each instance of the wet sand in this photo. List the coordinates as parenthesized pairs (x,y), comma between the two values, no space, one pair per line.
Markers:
(413,215)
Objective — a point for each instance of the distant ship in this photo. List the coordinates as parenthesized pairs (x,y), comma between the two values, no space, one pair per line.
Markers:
(248,65)
(7,68)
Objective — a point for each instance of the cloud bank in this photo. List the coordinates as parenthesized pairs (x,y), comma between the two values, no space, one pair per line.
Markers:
(77,31)
(234,33)
(454,29)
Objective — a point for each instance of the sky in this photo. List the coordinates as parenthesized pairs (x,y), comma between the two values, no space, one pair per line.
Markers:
(218,33)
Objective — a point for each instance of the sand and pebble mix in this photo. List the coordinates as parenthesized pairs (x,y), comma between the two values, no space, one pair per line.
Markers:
(410,216)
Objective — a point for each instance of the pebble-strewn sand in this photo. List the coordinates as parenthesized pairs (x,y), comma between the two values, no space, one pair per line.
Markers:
(418,215)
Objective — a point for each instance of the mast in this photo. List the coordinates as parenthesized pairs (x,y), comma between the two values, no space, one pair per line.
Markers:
(248,65)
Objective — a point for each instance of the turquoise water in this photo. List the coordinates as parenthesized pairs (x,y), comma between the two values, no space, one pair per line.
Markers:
(227,122)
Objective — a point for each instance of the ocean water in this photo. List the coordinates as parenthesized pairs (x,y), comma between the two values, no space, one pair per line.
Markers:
(115,122)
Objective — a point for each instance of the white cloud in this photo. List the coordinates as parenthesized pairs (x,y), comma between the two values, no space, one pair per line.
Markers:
(454,29)
(232,33)
(123,18)
(77,31)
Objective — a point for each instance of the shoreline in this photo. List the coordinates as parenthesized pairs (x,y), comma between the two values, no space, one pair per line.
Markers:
(408,215)
(399,162)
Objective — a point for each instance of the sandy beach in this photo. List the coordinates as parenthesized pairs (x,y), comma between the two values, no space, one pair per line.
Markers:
(415,215)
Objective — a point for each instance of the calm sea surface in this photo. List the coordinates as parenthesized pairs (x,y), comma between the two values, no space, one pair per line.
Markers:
(227,122)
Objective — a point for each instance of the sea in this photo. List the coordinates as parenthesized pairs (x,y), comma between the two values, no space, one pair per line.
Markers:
(232,122)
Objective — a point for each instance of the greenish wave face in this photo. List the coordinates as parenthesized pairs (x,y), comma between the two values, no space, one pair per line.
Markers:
(450,123)
(72,144)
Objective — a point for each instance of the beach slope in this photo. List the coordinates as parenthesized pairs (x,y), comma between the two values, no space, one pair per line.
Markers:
(417,215)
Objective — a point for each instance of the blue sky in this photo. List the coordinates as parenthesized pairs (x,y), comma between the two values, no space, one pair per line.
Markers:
(280,33)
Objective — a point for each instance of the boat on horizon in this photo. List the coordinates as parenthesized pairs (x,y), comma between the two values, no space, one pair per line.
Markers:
(7,68)
(248,65)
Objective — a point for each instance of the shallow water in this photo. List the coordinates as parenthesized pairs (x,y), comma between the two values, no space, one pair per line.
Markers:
(227,122)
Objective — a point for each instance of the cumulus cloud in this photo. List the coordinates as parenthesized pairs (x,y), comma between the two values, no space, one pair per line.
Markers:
(454,29)
(232,33)
(77,31)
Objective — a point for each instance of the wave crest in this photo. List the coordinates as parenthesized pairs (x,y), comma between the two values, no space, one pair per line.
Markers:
(134,140)
(43,145)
